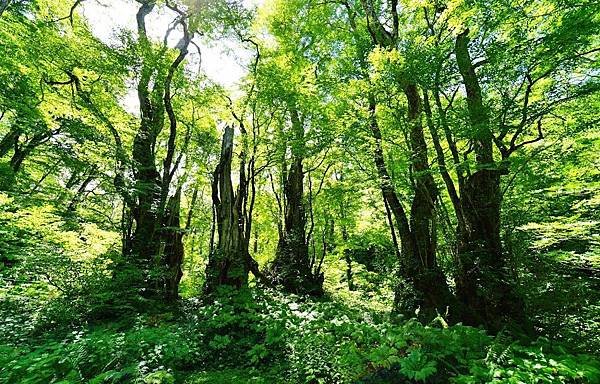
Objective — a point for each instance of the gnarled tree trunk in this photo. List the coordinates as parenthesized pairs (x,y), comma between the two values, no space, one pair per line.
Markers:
(421,265)
(172,237)
(148,205)
(291,268)
(228,262)
(484,284)
(427,288)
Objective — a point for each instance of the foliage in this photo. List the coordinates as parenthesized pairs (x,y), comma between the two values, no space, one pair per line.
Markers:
(257,335)
(98,136)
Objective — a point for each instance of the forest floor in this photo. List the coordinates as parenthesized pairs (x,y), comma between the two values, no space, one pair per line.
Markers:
(266,337)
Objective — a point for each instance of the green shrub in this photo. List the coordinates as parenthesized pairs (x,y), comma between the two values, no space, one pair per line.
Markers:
(265,337)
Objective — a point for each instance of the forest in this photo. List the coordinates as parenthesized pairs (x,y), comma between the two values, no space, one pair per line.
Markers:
(368,191)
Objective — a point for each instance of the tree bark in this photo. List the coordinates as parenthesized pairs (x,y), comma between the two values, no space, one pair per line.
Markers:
(422,267)
(173,247)
(4,5)
(149,203)
(228,262)
(423,284)
(143,246)
(484,284)
(291,268)
(23,148)
(8,141)
(441,160)
(427,287)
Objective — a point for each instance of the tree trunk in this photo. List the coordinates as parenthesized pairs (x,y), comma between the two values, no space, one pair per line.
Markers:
(228,263)
(148,205)
(427,287)
(145,239)
(422,283)
(17,159)
(8,141)
(291,268)
(441,160)
(173,249)
(4,5)
(78,197)
(143,245)
(429,279)
(348,259)
(22,151)
(484,284)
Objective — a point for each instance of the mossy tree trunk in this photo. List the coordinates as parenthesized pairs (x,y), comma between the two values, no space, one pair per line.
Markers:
(423,284)
(292,268)
(228,262)
(148,208)
(172,256)
(484,284)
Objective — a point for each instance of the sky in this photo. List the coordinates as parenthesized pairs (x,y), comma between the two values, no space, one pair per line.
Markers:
(107,17)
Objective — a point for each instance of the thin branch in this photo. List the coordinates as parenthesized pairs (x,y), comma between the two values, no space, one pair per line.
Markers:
(69,16)
(323,180)
(199,50)
(319,163)
(539,137)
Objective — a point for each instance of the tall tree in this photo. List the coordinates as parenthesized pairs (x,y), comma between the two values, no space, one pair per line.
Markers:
(292,266)
(228,263)
(508,96)
(417,228)
(151,222)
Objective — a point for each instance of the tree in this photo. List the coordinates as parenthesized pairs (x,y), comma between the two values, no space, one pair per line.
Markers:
(228,263)
(501,112)
(418,260)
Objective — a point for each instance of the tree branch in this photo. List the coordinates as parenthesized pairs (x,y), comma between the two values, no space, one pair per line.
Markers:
(69,16)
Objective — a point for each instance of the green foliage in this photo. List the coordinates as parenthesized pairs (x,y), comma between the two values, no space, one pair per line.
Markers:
(7,177)
(74,309)
(552,232)
(267,337)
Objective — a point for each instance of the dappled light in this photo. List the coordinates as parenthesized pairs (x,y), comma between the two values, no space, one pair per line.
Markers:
(299,191)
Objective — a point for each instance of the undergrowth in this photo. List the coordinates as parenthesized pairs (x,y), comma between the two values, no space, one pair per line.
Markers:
(265,337)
